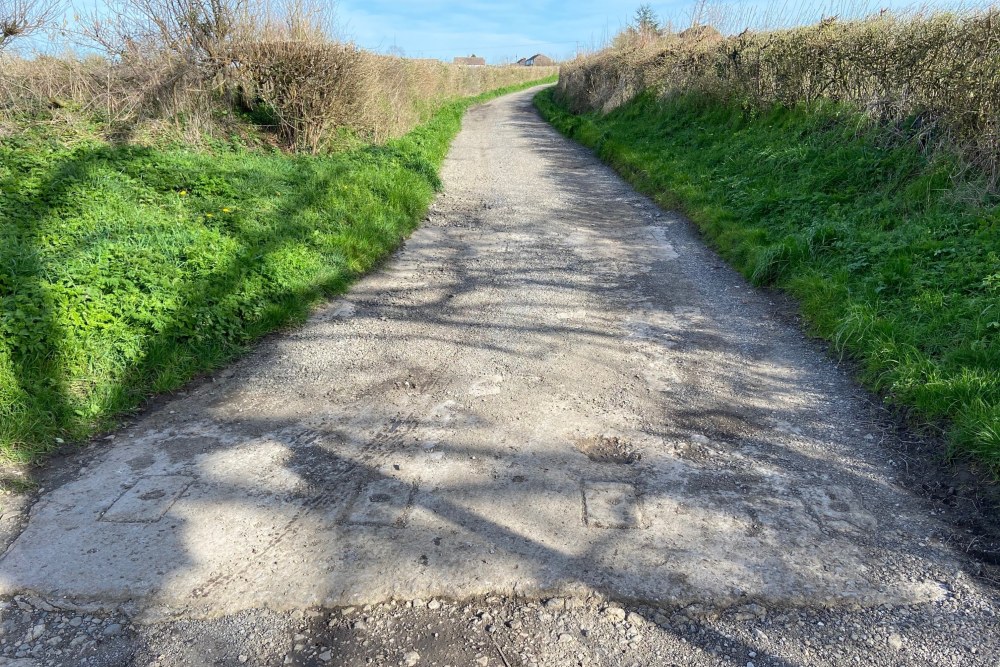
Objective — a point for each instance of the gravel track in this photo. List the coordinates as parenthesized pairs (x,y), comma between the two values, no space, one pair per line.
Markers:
(553,429)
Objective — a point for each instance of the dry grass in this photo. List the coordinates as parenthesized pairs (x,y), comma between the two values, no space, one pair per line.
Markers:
(315,88)
(939,74)
(278,63)
(309,90)
(402,93)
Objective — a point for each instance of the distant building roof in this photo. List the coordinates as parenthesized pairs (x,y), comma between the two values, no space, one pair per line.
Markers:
(470,60)
(537,60)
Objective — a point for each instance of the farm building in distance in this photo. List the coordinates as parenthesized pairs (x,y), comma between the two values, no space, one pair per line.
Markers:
(537,60)
(473,60)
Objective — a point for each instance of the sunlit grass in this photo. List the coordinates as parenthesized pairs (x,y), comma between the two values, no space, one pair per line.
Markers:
(127,270)
(889,260)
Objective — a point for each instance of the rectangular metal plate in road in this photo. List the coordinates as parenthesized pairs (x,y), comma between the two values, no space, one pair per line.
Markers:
(611,505)
(382,503)
(148,500)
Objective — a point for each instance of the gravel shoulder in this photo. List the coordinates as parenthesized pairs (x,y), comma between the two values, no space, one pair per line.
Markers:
(553,429)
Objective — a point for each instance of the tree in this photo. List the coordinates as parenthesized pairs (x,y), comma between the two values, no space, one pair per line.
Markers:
(646,22)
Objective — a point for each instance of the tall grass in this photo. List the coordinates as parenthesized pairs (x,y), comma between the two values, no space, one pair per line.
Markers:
(935,74)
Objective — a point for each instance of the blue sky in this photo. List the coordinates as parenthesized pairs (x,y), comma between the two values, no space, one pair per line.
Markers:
(496,30)
(509,30)
(505,31)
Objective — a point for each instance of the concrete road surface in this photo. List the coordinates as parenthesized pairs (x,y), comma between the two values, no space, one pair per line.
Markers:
(553,390)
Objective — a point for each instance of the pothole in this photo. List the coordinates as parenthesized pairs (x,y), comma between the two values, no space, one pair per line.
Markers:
(608,449)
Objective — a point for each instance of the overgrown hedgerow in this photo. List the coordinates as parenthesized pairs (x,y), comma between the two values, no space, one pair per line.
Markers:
(888,258)
(935,74)
(127,270)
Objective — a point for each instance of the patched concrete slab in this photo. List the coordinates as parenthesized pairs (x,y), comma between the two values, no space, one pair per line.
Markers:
(382,503)
(611,505)
(148,500)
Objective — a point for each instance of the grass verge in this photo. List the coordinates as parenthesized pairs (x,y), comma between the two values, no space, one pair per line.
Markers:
(128,270)
(889,259)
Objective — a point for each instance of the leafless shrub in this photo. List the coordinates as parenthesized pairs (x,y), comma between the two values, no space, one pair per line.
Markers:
(312,88)
(197,31)
(20,18)
(191,61)
(163,58)
(314,84)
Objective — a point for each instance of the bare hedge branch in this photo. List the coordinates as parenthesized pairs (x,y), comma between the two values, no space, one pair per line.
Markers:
(20,18)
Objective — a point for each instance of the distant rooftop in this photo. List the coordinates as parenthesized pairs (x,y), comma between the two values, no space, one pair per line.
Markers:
(470,60)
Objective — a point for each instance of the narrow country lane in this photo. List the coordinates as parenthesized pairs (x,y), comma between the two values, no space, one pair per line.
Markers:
(553,391)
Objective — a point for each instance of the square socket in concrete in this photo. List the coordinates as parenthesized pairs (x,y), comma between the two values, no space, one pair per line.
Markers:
(611,505)
(382,503)
(148,500)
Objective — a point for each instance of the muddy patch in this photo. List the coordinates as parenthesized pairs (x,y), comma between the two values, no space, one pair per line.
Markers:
(608,449)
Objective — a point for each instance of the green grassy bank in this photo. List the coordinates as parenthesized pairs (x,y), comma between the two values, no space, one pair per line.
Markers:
(890,260)
(128,270)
